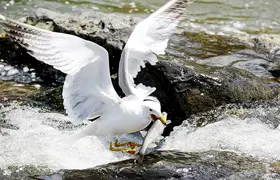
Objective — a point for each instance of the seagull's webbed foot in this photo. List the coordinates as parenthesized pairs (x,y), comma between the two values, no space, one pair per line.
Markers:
(124,150)
(130,150)
(130,144)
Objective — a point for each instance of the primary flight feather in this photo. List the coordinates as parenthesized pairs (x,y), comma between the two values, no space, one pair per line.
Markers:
(88,89)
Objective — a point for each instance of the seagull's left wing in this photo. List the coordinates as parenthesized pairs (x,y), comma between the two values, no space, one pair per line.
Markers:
(149,38)
(88,88)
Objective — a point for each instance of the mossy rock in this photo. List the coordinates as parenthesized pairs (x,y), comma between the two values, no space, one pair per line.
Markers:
(11,91)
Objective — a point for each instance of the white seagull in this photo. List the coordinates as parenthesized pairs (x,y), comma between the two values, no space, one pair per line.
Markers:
(88,90)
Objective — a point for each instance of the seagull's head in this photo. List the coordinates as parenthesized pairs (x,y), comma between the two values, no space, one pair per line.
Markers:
(153,107)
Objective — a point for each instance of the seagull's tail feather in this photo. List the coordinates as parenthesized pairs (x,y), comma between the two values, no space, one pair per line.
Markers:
(75,137)
(89,130)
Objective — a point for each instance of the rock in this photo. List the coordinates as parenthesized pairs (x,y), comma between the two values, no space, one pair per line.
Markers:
(23,173)
(224,50)
(11,91)
(17,57)
(189,88)
(201,45)
(174,165)
(268,45)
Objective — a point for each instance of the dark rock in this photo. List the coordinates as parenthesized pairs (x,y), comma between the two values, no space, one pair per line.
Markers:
(50,98)
(189,88)
(16,56)
(172,165)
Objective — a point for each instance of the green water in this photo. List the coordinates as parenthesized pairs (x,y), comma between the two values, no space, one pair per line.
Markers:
(20,7)
(238,16)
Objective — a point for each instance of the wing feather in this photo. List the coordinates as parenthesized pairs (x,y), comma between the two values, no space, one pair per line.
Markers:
(88,87)
(149,38)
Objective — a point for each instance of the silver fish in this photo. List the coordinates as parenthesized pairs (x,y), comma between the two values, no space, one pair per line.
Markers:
(153,133)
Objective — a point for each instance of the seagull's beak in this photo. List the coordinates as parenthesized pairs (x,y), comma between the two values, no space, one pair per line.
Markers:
(162,119)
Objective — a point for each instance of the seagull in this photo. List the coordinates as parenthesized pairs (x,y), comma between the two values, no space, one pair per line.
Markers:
(88,91)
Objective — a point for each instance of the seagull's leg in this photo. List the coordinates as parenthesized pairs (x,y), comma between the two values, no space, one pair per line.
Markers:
(130,144)
(124,150)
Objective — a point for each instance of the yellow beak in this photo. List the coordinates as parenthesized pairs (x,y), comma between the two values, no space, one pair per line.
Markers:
(162,119)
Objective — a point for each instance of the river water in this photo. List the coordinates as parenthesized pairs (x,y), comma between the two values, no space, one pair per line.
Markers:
(239,16)
(36,143)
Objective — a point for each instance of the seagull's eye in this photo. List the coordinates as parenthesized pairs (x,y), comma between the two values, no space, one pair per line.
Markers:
(150,109)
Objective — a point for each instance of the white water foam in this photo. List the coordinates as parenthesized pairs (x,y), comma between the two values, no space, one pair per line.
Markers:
(248,136)
(38,144)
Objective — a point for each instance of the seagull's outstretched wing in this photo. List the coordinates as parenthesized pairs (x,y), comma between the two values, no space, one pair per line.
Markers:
(149,38)
(88,85)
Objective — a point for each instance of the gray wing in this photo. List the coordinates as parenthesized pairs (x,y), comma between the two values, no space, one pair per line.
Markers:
(149,38)
(88,85)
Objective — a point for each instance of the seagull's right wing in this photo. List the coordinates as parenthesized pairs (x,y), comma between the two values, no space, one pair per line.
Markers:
(88,85)
(149,39)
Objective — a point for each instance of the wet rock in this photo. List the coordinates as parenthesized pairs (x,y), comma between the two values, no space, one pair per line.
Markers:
(11,91)
(186,88)
(224,50)
(268,45)
(200,45)
(50,98)
(16,57)
(23,173)
(173,165)
(258,54)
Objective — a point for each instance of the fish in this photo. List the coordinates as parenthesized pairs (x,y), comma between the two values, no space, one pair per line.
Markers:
(154,133)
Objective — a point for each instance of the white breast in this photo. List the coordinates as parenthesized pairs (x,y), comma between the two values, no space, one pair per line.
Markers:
(124,118)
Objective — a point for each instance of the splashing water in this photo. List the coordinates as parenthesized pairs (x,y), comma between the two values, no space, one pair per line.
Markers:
(35,143)
(250,136)
(36,140)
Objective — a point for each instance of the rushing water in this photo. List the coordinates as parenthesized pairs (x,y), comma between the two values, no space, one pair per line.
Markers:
(249,134)
(37,138)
